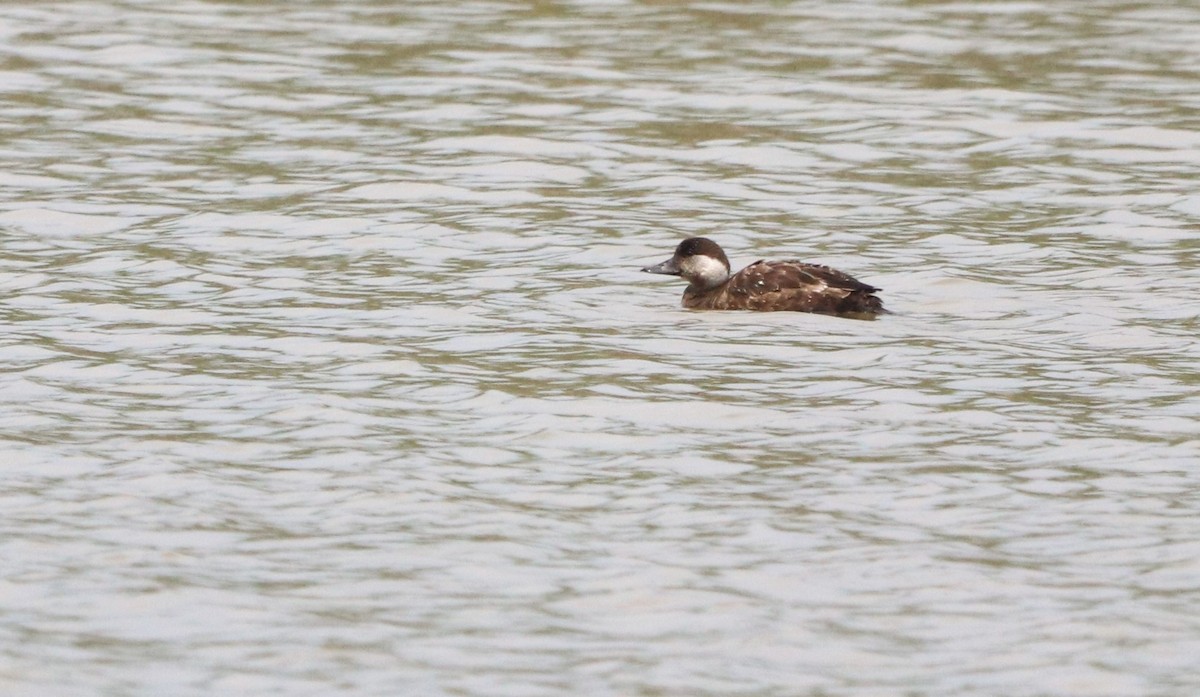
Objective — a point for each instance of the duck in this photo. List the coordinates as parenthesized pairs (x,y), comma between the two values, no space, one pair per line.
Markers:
(766,286)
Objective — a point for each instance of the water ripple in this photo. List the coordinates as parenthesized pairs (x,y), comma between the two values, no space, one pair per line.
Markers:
(329,368)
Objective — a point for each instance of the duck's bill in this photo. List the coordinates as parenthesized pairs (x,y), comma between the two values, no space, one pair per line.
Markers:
(668,267)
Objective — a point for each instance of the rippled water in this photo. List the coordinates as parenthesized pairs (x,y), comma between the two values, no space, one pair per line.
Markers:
(327,367)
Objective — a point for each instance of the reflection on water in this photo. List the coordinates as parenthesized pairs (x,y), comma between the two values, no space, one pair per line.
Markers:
(328,367)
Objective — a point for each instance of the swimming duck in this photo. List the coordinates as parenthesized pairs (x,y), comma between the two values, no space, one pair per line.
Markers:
(765,286)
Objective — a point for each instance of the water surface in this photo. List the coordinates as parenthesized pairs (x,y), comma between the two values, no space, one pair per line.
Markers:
(327,367)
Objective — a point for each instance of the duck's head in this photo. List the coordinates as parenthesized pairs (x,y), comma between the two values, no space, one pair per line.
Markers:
(700,261)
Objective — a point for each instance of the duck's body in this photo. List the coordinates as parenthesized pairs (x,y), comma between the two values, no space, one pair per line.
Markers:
(765,286)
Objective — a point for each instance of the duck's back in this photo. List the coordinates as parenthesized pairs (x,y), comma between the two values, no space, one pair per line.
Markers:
(767,286)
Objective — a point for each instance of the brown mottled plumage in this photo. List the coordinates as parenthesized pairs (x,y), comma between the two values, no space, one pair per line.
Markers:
(765,286)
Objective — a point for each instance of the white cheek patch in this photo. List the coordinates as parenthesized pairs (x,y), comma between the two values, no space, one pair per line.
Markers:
(704,270)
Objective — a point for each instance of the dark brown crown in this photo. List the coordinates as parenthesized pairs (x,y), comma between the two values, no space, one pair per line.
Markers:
(694,246)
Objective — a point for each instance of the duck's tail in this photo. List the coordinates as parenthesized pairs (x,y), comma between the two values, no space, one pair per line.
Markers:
(862,302)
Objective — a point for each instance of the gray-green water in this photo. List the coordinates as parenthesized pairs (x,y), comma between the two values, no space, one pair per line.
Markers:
(327,368)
